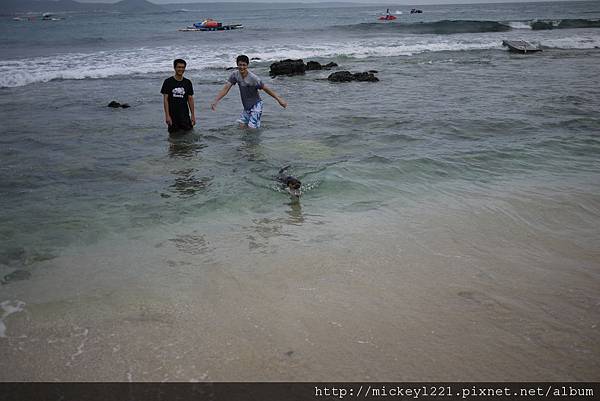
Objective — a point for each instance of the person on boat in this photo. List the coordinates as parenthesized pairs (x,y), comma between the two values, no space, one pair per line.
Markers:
(249,84)
(178,100)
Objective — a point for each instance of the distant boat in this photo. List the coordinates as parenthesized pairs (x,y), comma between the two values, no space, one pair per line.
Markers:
(214,28)
(520,46)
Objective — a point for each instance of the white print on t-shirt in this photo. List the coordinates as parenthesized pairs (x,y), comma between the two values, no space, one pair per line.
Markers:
(178,92)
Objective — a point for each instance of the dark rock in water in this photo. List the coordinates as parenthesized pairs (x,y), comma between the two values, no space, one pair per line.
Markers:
(329,66)
(341,76)
(17,275)
(115,105)
(373,71)
(347,76)
(313,65)
(365,77)
(288,67)
(255,58)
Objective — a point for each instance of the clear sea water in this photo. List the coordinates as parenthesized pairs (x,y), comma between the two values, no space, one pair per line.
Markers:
(462,189)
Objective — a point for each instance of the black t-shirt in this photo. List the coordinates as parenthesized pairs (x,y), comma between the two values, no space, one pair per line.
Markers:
(178,92)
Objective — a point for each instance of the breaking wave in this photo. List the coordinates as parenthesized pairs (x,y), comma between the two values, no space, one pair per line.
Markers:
(445,27)
(564,24)
(154,60)
(449,27)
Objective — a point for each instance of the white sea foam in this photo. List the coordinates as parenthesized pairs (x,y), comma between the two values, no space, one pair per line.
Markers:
(15,73)
(9,307)
(519,25)
(573,42)
(104,64)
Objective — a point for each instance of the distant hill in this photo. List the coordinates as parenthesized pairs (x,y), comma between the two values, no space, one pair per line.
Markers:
(10,7)
(135,5)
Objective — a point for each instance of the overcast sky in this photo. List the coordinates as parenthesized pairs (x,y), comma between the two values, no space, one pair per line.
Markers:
(392,3)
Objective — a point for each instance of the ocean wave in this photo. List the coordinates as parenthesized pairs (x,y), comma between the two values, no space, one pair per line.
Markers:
(150,60)
(564,24)
(519,24)
(573,42)
(449,27)
(445,27)
(105,64)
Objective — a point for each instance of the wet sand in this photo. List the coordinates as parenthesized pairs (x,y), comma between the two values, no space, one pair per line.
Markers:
(505,291)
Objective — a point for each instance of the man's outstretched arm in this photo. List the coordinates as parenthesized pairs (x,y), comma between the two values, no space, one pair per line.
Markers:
(275,96)
(221,95)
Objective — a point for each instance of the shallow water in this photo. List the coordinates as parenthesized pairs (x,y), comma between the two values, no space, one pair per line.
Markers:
(449,211)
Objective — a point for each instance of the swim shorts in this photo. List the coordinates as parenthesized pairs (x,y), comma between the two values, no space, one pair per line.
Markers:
(252,117)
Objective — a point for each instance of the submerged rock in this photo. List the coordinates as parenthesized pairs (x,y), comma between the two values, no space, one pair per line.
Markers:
(365,77)
(114,104)
(315,65)
(347,76)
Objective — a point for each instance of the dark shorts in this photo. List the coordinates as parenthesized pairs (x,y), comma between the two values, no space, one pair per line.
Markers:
(180,127)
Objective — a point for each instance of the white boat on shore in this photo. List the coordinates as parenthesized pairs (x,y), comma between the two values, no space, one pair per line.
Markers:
(520,46)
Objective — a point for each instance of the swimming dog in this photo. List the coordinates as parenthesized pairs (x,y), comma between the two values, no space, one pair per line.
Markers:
(291,183)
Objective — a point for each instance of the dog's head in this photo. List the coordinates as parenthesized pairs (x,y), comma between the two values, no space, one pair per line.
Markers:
(293,185)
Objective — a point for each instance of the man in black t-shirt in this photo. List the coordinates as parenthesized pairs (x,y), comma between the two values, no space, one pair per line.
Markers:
(178,100)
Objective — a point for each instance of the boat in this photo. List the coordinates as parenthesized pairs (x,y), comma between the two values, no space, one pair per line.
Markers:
(208,23)
(520,46)
(216,28)
(387,17)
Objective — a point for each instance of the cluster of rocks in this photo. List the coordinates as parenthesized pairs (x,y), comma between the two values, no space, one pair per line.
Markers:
(347,76)
(115,104)
(297,67)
